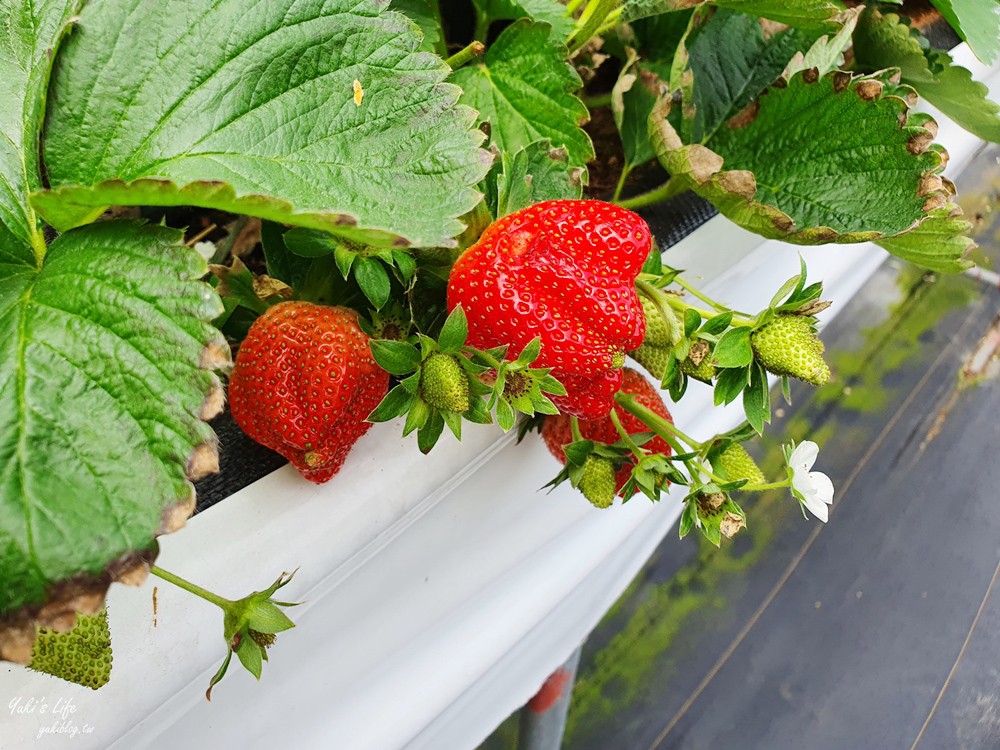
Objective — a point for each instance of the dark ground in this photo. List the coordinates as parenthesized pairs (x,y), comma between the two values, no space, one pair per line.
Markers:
(878,630)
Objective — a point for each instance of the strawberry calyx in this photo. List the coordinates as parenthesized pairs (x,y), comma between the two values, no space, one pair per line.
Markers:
(444,381)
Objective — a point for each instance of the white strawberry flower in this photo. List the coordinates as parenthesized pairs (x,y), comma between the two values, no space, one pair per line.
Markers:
(813,488)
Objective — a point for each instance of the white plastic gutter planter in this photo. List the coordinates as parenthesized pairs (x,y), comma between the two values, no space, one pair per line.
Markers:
(439,591)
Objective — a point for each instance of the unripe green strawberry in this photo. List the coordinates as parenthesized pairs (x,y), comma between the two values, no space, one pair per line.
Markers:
(81,655)
(654,359)
(703,371)
(598,481)
(444,384)
(735,463)
(658,345)
(788,345)
(658,333)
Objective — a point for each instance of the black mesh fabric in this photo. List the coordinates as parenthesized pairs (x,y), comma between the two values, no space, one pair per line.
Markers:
(241,462)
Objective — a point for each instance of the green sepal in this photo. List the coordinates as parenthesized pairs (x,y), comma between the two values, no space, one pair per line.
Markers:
(395,357)
(395,404)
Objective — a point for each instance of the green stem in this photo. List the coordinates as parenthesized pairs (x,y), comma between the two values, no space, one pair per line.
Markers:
(590,21)
(657,297)
(623,433)
(764,487)
(680,305)
(574,426)
(614,19)
(668,189)
(662,427)
(460,58)
(573,6)
(192,588)
(621,183)
(600,100)
(700,295)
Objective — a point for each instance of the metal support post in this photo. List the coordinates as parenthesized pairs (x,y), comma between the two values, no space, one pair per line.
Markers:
(543,718)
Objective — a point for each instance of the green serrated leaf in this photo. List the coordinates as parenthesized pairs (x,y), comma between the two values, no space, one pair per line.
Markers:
(827,53)
(395,404)
(803,14)
(30,36)
(549,11)
(939,244)
(885,41)
(524,88)
(824,161)
(118,441)
(632,100)
(731,62)
(977,22)
(427,15)
(395,357)
(538,172)
(733,349)
(266,123)
(454,332)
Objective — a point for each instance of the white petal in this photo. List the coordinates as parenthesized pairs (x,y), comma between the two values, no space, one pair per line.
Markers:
(804,455)
(817,507)
(823,486)
(802,483)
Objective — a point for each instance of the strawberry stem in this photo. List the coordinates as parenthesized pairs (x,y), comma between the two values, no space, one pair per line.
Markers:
(658,298)
(464,55)
(668,189)
(765,487)
(623,433)
(654,421)
(574,426)
(192,588)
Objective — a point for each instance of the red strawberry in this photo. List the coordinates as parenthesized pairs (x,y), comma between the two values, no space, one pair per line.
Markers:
(563,270)
(556,431)
(303,383)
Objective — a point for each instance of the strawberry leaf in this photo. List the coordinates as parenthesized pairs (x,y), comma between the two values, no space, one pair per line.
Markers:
(803,14)
(550,11)
(884,41)
(977,22)
(730,62)
(29,38)
(265,124)
(632,100)
(524,87)
(427,15)
(531,175)
(809,163)
(97,458)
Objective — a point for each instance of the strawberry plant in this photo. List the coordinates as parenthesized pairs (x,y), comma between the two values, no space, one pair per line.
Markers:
(430,248)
